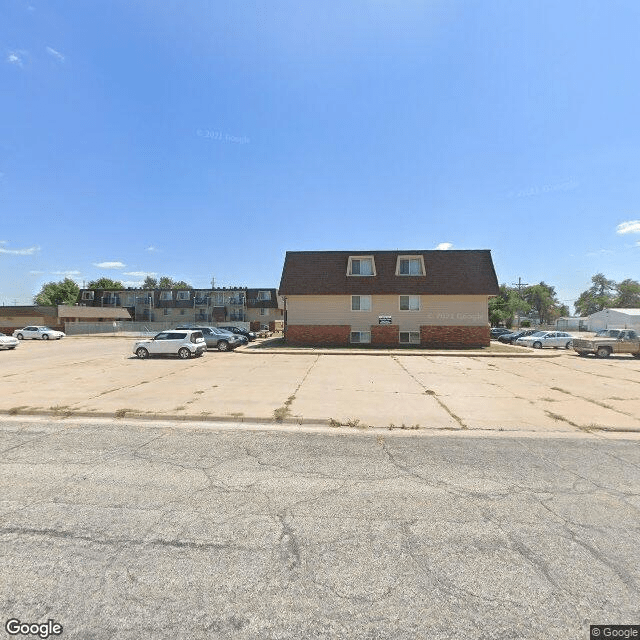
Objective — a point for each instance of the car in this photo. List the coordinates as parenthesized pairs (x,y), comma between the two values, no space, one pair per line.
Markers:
(498,331)
(38,333)
(8,342)
(184,343)
(609,341)
(510,338)
(219,339)
(540,339)
(249,335)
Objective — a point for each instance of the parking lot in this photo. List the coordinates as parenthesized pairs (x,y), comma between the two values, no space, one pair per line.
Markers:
(99,376)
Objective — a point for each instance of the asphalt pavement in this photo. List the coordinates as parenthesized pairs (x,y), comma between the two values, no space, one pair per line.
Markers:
(123,530)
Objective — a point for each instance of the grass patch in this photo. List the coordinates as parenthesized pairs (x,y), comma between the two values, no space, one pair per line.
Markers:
(14,411)
(121,413)
(198,392)
(281,413)
(334,423)
(559,418)
(235,414)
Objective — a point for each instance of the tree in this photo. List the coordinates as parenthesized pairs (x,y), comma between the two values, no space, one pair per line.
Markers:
(105,283)
(543,300)
(600,295)
(505,306)
(54,293)
(628,295)
(150,283)
(166,282)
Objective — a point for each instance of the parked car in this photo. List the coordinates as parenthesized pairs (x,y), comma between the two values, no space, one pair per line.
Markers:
(510,338)
(540,339)
(219,339)
(8,342)
(184,344)
(609,341)
(249,335)
(38,333)
(498,331)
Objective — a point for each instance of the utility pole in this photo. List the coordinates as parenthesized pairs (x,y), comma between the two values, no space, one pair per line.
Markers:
(519,284)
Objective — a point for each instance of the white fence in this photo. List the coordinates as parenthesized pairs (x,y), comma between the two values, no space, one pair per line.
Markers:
(130,328)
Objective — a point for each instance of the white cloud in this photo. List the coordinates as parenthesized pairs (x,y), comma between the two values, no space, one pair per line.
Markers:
(631,226)
(55,54)
(14,58)
(110,265)
(36,273)
(134,284)
(151,248)
(20,252)
(140,274)
(443,246)
(66,273)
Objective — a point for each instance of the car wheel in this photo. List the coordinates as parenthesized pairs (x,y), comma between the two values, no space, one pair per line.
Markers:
(537,345)
(20,336)
(603,352)
(142,353)
(223,345)
(45,336)
(568,345)
(184,353)
(636,355)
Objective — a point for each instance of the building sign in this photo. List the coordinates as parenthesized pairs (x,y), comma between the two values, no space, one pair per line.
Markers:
(384,319)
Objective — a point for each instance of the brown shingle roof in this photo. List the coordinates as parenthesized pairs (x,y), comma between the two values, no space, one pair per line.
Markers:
(451,272)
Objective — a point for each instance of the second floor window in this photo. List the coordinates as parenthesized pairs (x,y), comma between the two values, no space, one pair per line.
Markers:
(264,295)
(182,295)
(360,303)
(361,266)
(166,295)
(410,266)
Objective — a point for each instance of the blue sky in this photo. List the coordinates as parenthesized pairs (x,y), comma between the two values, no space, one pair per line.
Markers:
(204,139)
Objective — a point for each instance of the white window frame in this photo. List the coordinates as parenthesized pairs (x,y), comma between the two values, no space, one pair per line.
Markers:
(87,295)
(412,298)
(360,303)
(264,295)
(366,334)
(361,275)
(182,295)
(414,337)
(166,295)
(419,258)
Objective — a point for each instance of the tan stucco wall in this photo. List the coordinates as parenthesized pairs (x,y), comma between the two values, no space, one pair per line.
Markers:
(470,311)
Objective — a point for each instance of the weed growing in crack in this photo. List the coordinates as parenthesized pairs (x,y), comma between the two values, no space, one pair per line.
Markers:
(281,413)
(334,423)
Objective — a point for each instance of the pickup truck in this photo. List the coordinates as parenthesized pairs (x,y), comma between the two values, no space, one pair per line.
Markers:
(609,341)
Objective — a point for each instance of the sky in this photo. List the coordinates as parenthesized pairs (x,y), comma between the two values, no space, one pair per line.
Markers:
(204,139)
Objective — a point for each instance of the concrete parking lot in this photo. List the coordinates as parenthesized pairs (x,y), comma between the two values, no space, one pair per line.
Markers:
(100,377)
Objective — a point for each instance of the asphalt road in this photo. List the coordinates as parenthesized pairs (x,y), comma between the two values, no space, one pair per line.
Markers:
(138,531)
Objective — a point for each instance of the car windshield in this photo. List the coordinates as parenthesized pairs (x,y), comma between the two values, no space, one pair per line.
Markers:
(539,333)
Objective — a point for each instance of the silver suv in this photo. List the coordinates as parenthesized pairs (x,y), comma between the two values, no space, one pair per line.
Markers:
(184,343)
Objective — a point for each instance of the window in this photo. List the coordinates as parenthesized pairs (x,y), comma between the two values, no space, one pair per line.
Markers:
(165,311)
(410,266)
(360,337)
(360,303)
(87,295)
(361,266)
(182,295)
(166,295)
(264,295)
(264,312)
(218,299)
(409,303)
(409,337)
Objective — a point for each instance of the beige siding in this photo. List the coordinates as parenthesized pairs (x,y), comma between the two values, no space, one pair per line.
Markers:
(435,310)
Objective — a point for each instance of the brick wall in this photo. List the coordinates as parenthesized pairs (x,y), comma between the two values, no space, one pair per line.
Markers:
(454,336)
(385,335)
(320,335)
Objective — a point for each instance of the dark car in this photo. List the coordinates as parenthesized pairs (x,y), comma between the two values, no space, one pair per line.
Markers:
(218,338)
(249,335)
(498,331)
(510,338)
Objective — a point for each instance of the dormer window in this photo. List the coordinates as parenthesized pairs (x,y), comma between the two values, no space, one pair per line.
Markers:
(361,266)
(410,266)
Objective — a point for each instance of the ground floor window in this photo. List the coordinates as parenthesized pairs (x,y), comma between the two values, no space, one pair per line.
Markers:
(360,337)
(409,337)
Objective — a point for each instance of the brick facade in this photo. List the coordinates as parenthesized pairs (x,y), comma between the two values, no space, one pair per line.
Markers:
(318,335)
(385,335)
(454,336)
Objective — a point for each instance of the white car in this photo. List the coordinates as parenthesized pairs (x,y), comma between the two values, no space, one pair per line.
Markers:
(183,343)
(8,342)
(540,339)
(38,333)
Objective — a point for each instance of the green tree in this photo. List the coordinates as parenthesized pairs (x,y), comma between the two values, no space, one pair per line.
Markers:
(105,283)
(54,293)
(543,300)
(628,295)
(600,295)
(150,283)
(505,306)
(166,282)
